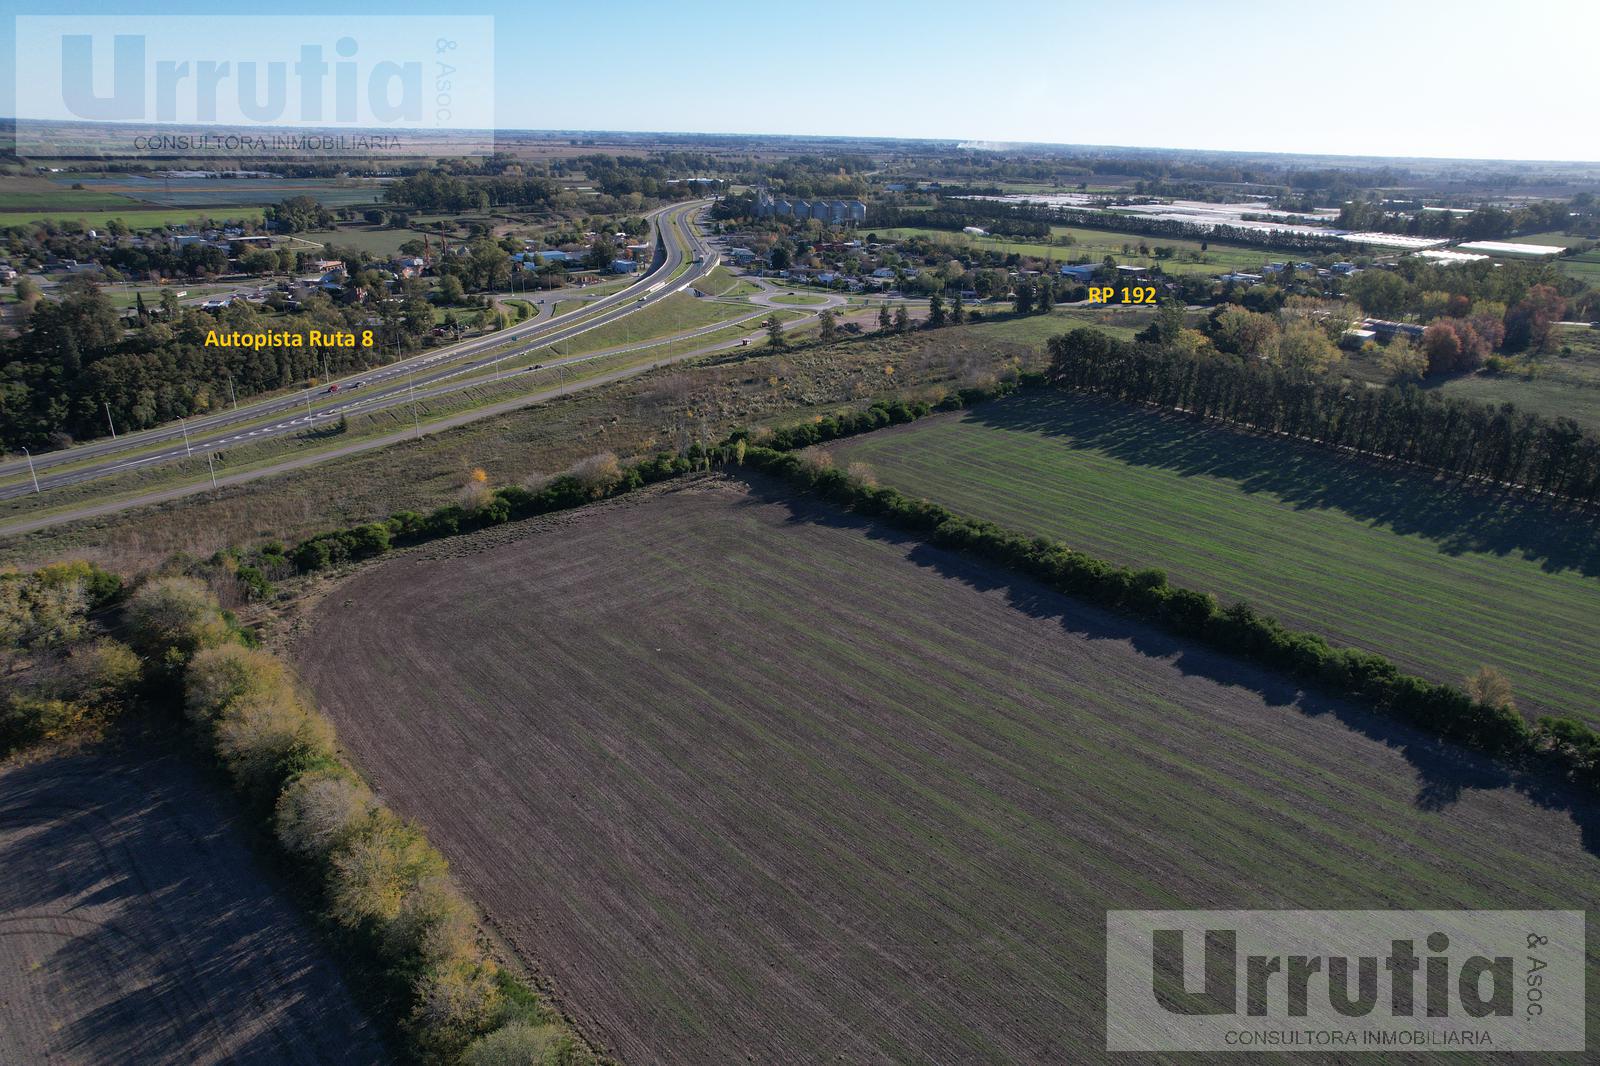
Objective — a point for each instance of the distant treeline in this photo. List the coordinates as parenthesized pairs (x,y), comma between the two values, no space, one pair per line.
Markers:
(1448,436)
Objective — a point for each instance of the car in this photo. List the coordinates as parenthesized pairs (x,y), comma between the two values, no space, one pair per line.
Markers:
(357,384)
(334,387)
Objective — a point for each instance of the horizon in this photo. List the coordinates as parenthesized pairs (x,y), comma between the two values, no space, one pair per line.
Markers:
(976,80)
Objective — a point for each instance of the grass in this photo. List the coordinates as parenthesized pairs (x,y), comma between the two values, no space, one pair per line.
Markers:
(802,299)
(885,793)
(1078,244)
(1585,267)
(137,218)
(666,408)
(675,314)
(1551,385)
(1439,580)
(374,240)
(723,282)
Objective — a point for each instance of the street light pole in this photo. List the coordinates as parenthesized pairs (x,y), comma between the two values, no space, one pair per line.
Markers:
(111,424)
(31,474)
(187,451)
(213,468)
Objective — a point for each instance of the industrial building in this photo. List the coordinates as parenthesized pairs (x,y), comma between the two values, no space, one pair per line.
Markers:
(833,212)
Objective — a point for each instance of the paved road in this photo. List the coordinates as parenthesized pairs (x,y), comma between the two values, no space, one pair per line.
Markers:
(380,388)
(96,510)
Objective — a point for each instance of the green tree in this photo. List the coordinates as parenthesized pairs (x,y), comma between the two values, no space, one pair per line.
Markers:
(774,328)
(827,326)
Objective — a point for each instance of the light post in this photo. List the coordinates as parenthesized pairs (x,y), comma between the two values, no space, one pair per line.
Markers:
(213,468)
(31,474)
(110,423)
(187,451)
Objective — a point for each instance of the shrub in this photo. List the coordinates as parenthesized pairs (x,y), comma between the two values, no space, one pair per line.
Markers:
(264,737)
(176,617)
(597,475)
(319,811)
(103,672)
(28,719)
(1489,687)
(456,1001)
(374,871)
(435,924)
(218,676)
(520,1044)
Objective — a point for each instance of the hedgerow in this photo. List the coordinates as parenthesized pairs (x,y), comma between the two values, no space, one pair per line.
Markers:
(1571,747)
(378,878)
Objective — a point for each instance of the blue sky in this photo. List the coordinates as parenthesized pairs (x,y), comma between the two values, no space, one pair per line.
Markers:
(1402,77)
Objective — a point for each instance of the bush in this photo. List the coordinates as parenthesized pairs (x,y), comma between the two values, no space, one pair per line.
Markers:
(373,873)
(104,672)
(28,719)
(456,1001)
(176,617)
(319,811)
(264,738)
(520,1044)
(218,676)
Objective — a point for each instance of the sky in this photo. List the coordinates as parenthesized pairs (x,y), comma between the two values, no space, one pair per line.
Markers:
(1468,78)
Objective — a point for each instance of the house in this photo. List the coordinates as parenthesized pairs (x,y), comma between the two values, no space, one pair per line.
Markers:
(1239,279)
(883,272)
(1080,271)
(1344,268)
(623,266)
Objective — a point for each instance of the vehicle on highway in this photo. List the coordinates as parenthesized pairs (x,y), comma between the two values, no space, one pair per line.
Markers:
(334,387)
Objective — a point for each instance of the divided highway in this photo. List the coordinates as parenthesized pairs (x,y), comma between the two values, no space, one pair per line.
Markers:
(679,247)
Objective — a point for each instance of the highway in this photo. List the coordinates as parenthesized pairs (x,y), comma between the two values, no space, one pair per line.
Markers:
(678,246)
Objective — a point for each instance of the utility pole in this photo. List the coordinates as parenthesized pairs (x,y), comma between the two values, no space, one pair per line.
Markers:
(31,474)
(411,388)
(231,394)
(109,422)
(187,451)
(213,468)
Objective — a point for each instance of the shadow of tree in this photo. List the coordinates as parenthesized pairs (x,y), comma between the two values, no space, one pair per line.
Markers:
(1445,771)
(1456,517)
(158,937)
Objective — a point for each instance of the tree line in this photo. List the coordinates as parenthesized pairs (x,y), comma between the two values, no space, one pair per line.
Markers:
(1447,436)
(74,365)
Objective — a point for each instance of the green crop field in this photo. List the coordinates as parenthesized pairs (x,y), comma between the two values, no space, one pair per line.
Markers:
(1075,244)
(1585,267)
(137,218)
(1439,580)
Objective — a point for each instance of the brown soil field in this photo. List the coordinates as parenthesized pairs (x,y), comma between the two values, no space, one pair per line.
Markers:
(136,926)
(745,778)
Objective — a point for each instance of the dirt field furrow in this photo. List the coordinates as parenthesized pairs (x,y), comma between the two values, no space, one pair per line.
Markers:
(752,780)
